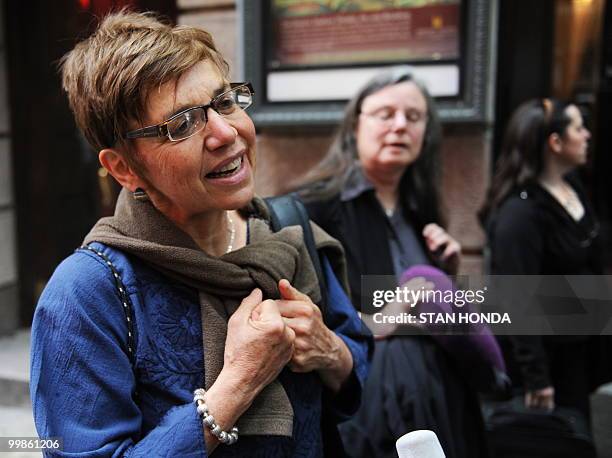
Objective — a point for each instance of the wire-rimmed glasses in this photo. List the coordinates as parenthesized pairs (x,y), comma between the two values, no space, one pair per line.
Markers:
(190,121)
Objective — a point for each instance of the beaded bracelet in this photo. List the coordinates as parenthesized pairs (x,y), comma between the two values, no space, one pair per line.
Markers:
(228,438)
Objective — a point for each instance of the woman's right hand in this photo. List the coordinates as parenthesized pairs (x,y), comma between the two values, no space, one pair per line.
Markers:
(258,344)
(397,308)
(416,284)
(257,347)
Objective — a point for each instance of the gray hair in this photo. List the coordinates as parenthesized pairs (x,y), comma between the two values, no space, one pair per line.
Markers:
(329,176)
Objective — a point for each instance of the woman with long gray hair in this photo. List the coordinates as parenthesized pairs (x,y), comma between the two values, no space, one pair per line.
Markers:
(377,193)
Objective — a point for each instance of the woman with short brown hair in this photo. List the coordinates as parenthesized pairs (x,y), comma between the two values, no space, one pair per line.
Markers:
(185,323)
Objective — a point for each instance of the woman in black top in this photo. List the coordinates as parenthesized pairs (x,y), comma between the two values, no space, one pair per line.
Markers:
(539,222)
(380,200)
(377,188)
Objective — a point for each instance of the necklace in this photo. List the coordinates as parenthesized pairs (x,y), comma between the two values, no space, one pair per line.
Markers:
(568,199)
(232,232)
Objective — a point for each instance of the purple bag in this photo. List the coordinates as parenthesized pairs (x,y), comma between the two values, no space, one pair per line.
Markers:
(472,346)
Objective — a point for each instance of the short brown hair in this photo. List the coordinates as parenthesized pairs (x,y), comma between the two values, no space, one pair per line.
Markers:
(108,75)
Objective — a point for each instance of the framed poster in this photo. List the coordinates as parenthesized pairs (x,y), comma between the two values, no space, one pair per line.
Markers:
(307,58)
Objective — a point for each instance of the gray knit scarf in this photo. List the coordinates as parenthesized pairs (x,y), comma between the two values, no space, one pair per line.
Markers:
(139,229)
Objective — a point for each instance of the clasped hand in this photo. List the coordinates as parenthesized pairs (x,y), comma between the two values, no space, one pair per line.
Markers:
(315,346)
(264,336)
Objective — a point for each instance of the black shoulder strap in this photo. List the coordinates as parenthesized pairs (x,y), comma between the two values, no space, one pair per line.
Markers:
(125,301)
(288,210)
(128,309)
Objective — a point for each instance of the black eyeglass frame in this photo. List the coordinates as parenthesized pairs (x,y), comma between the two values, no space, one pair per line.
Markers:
(161,129)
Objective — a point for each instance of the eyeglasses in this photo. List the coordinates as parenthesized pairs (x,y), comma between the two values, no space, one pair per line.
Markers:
(387,116)
(192,120)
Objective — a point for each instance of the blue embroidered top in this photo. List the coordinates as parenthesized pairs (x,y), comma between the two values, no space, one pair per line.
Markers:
(85,390)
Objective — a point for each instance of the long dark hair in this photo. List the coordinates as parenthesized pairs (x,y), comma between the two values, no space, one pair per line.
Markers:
(418,190)
(522,156)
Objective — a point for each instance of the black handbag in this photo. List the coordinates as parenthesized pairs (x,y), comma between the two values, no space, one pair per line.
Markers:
(515,431)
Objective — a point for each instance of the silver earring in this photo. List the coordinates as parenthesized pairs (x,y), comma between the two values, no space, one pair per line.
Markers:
(140,195)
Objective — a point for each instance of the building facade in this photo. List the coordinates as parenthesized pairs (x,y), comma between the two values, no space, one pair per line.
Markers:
(52,188)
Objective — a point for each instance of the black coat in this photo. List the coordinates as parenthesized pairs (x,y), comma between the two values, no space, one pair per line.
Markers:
(412,383)
(532,234)
(360,225)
